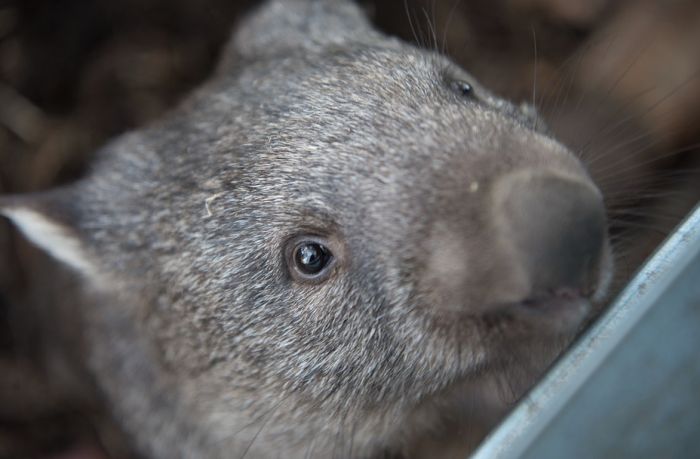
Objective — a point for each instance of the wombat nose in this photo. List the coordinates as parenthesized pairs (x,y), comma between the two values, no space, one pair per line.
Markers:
(558,228)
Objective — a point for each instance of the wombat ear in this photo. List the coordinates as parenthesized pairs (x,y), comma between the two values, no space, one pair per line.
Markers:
(49,220)
(283,26)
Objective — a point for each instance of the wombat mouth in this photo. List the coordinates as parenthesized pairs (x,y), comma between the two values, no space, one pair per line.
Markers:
(560,311)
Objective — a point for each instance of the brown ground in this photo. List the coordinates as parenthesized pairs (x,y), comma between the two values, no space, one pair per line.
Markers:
(617,80)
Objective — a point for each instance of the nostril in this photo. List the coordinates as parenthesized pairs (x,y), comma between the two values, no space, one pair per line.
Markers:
(556,225)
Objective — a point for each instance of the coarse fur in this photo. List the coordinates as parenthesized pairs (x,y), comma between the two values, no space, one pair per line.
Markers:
(315,124)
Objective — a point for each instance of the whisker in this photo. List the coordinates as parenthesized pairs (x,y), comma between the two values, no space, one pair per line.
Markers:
(622,76)
(570,79)
(648,110)
(410,21)
(255,437)
(445,31)
(534,71)
(431,30)
(638,165)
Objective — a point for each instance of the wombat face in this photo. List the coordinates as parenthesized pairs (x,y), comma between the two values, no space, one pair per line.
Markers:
(333,233)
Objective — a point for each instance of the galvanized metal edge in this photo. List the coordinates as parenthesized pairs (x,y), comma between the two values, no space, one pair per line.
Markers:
(531,417)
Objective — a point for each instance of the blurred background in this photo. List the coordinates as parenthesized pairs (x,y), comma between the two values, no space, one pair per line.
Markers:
(616,80)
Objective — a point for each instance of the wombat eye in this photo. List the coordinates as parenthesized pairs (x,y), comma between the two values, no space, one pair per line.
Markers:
(463,88)
(309,259)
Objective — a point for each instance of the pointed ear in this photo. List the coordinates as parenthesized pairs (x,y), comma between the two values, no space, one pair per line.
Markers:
(49,221)
(283,26)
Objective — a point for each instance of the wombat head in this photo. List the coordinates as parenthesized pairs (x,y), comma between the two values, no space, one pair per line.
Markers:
(337,232)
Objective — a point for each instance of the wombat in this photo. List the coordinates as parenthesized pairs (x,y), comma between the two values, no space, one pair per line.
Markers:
(340,246)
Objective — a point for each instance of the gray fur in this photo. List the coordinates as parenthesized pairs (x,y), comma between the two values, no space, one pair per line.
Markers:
(204,345)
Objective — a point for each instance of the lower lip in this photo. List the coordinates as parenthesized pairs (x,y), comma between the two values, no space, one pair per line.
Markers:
(556,313)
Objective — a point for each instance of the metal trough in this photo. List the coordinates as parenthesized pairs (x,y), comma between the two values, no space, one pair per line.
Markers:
(630,388)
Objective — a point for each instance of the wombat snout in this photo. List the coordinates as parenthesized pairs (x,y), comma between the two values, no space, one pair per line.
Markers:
(556,228)
(541,239)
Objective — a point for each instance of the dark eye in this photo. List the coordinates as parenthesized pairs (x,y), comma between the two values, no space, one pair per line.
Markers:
(463,88)
(309,259)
